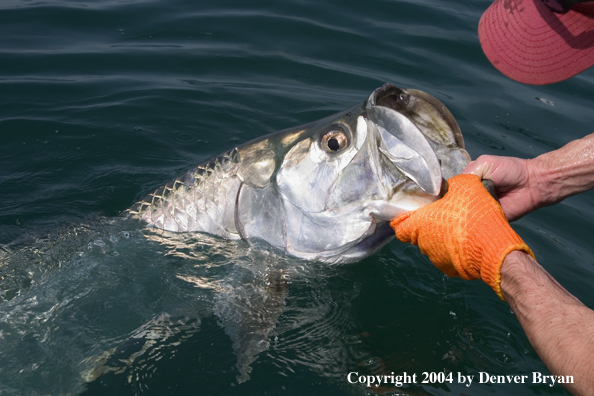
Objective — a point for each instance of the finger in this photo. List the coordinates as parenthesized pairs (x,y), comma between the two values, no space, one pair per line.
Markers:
(481,167)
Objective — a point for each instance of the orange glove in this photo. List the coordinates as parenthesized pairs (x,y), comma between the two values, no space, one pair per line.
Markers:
(464,234)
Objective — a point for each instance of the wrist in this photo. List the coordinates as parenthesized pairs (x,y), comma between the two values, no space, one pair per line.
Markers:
(544,182)
(516,267)
(525,282)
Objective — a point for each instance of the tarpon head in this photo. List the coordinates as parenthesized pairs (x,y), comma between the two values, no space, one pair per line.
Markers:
(326,191)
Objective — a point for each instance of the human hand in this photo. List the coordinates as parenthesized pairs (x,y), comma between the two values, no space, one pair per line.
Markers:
(464,234)
(516,183)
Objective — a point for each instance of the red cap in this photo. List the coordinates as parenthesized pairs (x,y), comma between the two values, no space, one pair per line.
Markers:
(531,44)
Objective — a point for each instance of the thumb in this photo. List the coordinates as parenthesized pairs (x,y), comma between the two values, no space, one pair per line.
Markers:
(482,169)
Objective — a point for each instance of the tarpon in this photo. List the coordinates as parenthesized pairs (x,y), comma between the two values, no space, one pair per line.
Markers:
(323,191)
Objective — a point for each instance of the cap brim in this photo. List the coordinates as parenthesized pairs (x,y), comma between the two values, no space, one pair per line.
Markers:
(531,44)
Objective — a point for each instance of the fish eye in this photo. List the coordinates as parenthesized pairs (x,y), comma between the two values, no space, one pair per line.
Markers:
(334,141)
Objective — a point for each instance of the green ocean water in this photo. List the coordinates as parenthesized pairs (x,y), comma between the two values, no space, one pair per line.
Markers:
(103,101)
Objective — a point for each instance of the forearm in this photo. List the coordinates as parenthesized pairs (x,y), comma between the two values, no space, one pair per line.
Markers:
(564,172)
(559,326)
(524,185)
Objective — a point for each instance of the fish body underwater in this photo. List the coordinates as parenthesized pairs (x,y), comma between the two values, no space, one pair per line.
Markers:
(324,191)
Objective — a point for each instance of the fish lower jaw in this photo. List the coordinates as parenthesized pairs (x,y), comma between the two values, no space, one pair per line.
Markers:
(383,211)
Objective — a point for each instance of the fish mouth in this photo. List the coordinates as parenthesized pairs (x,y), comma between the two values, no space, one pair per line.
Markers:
(409,125)
(403,144)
